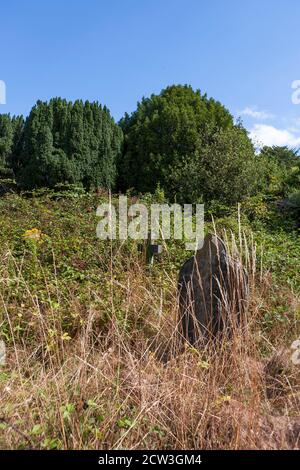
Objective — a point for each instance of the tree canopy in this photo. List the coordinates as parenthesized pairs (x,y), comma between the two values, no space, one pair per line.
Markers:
(188,144)
(180,140)
(62,142)
(11,134)
(278,170)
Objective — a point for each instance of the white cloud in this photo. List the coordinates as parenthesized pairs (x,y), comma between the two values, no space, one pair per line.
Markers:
(296,124)
(253,112)
(262,134)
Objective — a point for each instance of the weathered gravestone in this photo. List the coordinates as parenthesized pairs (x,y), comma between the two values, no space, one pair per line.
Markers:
(212,289)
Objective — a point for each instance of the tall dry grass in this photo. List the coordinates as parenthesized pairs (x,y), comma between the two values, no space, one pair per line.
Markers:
(137,384)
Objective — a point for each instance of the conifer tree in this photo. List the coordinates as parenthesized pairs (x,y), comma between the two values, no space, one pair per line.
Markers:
(68,142)
(11,140)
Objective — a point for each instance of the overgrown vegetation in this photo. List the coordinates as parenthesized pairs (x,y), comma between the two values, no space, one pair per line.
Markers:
(95,358)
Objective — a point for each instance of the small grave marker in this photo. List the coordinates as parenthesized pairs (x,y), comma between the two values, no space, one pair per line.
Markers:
(150,249)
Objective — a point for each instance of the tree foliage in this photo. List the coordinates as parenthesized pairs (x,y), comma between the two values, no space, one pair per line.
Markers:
(11,134)
(189,145)
(180,141)
(278,171)
(221,170)
(68,142)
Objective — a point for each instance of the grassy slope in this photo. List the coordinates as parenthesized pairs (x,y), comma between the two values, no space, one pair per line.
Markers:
(94,359)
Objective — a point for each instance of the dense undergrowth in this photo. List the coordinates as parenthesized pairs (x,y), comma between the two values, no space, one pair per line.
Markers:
(94,356)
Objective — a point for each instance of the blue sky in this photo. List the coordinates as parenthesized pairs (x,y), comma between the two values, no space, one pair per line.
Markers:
(244,53)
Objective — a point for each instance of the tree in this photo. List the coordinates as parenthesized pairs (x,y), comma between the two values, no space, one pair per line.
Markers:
(278,169)
(68,142)
(175,140)
(220,170)
(282,155)
(11,131)
(6,139)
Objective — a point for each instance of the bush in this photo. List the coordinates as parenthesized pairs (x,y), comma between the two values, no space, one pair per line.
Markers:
(294,205)
(221,170)
(278,171)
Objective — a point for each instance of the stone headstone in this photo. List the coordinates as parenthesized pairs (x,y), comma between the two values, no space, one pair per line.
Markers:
(212,291)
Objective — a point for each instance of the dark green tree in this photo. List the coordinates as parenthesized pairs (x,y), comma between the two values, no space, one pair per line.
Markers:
(189,145)
(6,139)
(278,171)
(11,139)
(68,142)
(221,170)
